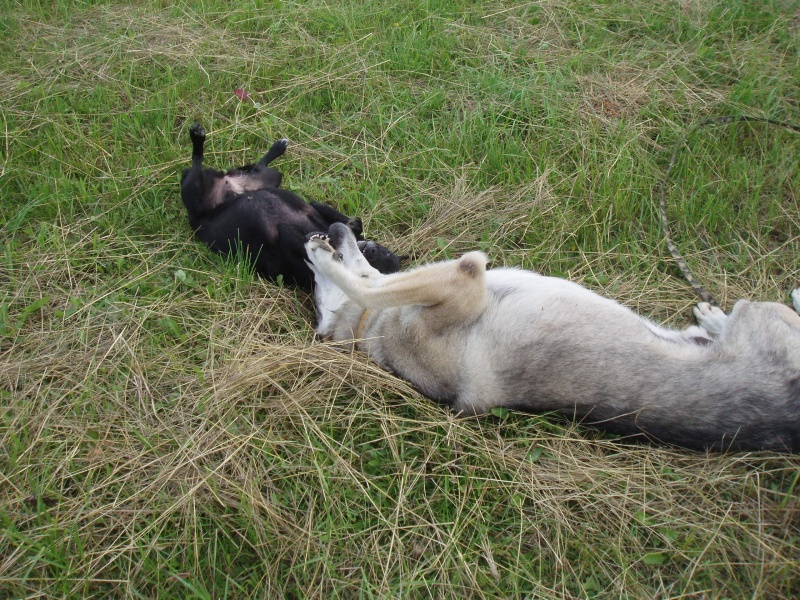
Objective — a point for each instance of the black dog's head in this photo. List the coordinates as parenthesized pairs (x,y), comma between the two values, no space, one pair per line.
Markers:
(380,257)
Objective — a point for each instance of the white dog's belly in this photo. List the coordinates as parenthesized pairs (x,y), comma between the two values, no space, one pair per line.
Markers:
(547,344)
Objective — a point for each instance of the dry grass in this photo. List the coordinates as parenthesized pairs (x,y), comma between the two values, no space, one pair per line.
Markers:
(243,420)
(171,428)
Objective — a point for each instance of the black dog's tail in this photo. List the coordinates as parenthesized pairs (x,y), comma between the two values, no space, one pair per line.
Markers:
(198,137)
(277,150)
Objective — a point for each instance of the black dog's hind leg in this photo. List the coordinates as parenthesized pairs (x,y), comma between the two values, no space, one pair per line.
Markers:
(332,215)
(198,137)
(193,179)
(271,177)
(276,150)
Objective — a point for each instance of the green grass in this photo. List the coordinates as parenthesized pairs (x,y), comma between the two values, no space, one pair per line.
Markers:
(170,428)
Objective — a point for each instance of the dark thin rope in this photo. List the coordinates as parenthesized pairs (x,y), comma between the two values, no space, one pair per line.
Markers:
(699,289)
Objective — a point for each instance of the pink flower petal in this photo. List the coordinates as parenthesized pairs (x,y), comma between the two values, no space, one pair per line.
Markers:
(241,94)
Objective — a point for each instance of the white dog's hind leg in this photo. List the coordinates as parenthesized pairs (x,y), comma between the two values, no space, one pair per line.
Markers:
(796,300)
(711,318)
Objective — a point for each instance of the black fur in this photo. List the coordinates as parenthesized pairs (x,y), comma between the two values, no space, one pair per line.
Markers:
(244,210)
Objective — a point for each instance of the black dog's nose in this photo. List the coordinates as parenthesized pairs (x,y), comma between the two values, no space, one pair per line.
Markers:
(370,250)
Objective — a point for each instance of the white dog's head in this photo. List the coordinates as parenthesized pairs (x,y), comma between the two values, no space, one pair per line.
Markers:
(333,306)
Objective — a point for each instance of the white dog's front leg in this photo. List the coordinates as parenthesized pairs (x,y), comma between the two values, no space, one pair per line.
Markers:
(319,249)
(456,288)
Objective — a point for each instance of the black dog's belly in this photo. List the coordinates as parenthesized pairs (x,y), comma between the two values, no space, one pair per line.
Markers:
(256,177)
(285,207)
(268,227)
(256,215)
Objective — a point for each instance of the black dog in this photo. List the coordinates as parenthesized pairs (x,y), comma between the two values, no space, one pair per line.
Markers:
(245,210)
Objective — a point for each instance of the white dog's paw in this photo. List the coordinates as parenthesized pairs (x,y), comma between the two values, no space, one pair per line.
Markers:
(319,237)
(319,249)
(319,241)
(796,299)
(711,318)
(317,245)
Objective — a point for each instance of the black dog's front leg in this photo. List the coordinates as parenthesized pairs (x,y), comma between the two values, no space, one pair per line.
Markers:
(332,215)
(292,244)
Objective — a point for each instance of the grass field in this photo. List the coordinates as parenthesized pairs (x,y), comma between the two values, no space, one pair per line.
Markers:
(169,427)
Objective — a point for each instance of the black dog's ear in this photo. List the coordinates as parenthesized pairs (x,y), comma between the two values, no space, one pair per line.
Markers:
(403,257)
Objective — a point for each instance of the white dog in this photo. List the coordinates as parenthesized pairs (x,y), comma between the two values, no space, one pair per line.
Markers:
(475,339)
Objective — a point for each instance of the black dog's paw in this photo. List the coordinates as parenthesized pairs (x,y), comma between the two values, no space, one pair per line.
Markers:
(355,225)
(197,133)
(277,149)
